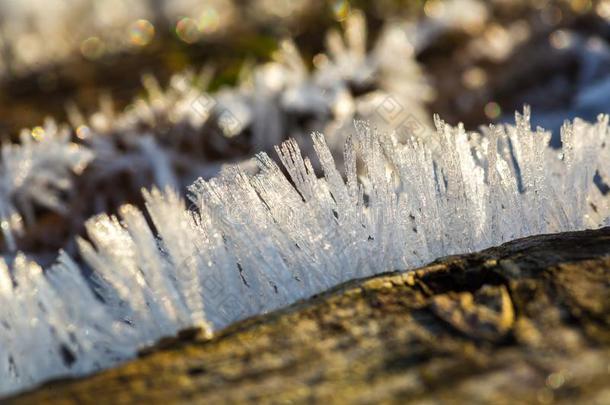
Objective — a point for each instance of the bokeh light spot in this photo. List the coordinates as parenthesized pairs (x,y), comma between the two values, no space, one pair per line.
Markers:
(434,8)
(141,32)
(38,133)
(560,39)
(341,9)
(474,78)
(603,9)
(187,30)
(209,21)
(580,6)
(492,110)
(83,132)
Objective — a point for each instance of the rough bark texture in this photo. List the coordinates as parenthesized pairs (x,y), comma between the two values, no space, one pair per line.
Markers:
(527,322)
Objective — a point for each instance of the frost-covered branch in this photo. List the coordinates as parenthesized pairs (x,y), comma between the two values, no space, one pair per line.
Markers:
(254,243)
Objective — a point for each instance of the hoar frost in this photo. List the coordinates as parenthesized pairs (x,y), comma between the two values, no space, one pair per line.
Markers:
(250,244)
(169,137)
(36,171)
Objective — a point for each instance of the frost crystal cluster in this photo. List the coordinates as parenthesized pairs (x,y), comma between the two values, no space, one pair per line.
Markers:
(252,243)
(174,135)
(193,127)
(36,171)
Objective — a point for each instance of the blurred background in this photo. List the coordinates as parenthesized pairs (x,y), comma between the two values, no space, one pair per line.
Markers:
(484,58)
(160,92)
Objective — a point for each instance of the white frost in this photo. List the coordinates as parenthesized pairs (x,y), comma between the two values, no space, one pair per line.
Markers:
(253,243)
(36,171)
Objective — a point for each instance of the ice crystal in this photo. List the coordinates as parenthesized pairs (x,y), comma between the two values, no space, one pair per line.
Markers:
(36,172)
(173,135)
(250,244)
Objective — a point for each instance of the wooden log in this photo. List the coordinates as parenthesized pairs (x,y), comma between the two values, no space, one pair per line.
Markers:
(526,322)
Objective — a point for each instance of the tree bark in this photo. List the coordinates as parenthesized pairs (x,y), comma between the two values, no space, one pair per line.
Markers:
(526,322)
